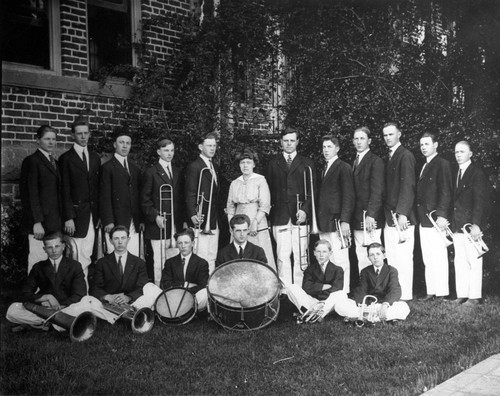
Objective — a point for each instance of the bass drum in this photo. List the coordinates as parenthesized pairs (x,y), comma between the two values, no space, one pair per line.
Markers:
(176,305)
(244,295)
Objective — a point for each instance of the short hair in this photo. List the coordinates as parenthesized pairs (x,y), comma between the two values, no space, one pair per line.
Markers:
(323,242)
(116,229)
(365,130)
(433,136)
(375,245)
(290,129)
(78,122)
(209,135)
(464,142)
(53,235)
(246,154)
(332,139)
(239,219)
(186,231)
(122,131)
(40,132)
(392,123)
(163,142)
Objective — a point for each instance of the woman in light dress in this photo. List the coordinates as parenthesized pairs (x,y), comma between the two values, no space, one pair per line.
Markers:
(249,194)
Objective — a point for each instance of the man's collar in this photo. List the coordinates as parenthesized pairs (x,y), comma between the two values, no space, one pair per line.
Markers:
(46,153)
(237,246)
(293,155)
(465,165)
(79,149)
(123,256)
(430,157)
(164,163)
(120,158)
(395,147)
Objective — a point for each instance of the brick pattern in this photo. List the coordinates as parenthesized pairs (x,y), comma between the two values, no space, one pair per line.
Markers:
(74,58)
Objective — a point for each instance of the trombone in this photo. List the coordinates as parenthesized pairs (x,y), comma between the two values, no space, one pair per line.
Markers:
(401,237)
(367,234)
(166,202)
(308,193)
(446,234)
(479,245)
(202,200)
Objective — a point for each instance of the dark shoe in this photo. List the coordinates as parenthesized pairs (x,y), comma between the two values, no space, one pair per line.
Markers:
(429,297)
(471,302)
(19,328)
(458,301)
(440,298)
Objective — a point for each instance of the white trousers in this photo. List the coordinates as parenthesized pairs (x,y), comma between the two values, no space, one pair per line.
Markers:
(36,252)
(300,299)
(206,246)
(287,242)
(151,292)
(435,256)
(133,244)
(349,309)
(84,247)
(361,251)
(468,268)
(339,256)
(159,249)
(400,256)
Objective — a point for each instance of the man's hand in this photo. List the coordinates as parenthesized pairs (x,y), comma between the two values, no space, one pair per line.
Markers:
(142,227)
(189,285)
(345,229)
(109,227)
(253,228)
(475,232)
(69,227)
(301,217)
(382,313)
(370,223)
(160,222)
(119,298)
(196,221)
(442,223)
(403,222)
(326,286)
(49,301)
(38,231)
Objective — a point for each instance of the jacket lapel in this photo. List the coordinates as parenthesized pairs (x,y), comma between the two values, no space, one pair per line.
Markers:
(47,163)
(362,163)
(77,160)
(332,169)
(121,169)
(178,269)
(129,267)
(162,173)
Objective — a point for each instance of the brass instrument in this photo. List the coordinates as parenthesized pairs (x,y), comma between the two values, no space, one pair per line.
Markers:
(401,237)
(479,245)
(166,199)
(345,241)
(367,313)
(80,328)
(142,256)
(202,200)
(200,216)
(101,244)
(313,314)
(367,234)
(141,320)
(303,256)
(447,235)
(71,248)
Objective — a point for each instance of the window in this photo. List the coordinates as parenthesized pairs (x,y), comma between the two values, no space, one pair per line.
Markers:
(112,26)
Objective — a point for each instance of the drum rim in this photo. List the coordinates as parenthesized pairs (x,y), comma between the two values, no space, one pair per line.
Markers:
(180,320)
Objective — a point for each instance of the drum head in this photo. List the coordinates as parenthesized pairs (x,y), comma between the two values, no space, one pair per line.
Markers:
(176,306)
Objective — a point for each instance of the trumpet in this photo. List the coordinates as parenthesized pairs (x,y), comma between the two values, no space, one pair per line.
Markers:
(367,234)
(401,237)
(447,235)
(166,199)
(367,313)
(345,241)
(313,314)
(141,320)
(202,200)
(479,245)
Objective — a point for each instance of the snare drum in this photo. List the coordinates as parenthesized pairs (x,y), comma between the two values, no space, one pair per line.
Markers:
(243,295)
(176,305)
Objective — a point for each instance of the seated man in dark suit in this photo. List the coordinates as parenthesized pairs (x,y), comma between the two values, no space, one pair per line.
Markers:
(322,286)
(381,281)
(240,248)
(187,269)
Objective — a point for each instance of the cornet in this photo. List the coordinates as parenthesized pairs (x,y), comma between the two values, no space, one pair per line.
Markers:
(367,234)
(345,241)
(401,237)
(367,313)
(141,320)
(313,314)
(479,245)
(447,235)
(166,202)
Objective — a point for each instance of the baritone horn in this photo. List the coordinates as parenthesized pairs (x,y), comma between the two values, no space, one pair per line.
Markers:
(401,237)
(80,328)
(345,241)
(367,234)
(141,320)
(166,210)
(479,245)
(446,235)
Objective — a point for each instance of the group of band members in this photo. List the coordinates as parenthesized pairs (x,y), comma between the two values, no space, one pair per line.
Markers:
(76,195)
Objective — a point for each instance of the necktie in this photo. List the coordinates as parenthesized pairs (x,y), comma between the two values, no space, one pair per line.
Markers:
(240,254)
(356,162)
(52,161)
(55,266)
(184,267)
(125,165)
(422,171)
(169,174)
(84,158)
(289,161)
(120,265)
(212,170)
(459,176)
(389,154)
(377,271)
(325,170)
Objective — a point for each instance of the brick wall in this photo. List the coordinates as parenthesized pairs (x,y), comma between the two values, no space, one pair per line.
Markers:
(74,59)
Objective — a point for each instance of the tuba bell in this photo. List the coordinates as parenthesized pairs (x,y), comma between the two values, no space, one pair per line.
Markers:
(141,320)
(80,328)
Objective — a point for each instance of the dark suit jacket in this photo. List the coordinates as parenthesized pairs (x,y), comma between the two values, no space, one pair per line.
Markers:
(229,253)
(400,185)
(284,185)
(119,194)
(40,191)
(153,178)
(80,189)
(314,279)
(470,199)
(173,273)
(192,179)
(336,196)
(385,287)
(107,279)
(369,189)
(434,190)
(67,286)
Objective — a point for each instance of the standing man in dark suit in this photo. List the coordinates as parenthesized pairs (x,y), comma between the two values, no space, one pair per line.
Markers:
(159,227)
(285,176)
(203,168)
(469,207)
(240,248)
(368,172)
(335,206)
(187,269)
(40,191)
(119,202)
(80,170)
(434,190)
(400,187)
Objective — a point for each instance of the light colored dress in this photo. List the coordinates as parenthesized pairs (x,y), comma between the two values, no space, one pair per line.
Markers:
(249,197)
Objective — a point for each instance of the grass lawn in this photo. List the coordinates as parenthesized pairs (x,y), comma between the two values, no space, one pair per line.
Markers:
(436,342)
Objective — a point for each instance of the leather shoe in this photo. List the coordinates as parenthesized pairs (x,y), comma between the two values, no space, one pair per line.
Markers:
(429,297)
(458,301)
(440,298)
(19,328)
(471,302)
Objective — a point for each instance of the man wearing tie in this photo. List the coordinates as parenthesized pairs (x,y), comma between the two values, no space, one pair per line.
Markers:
(469,207)
(119,193)
(434,190)
(159,228)
(399,196)
(335,206)
(40,192)
(368,172)
(80,170)
(240,248)
(187,269)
